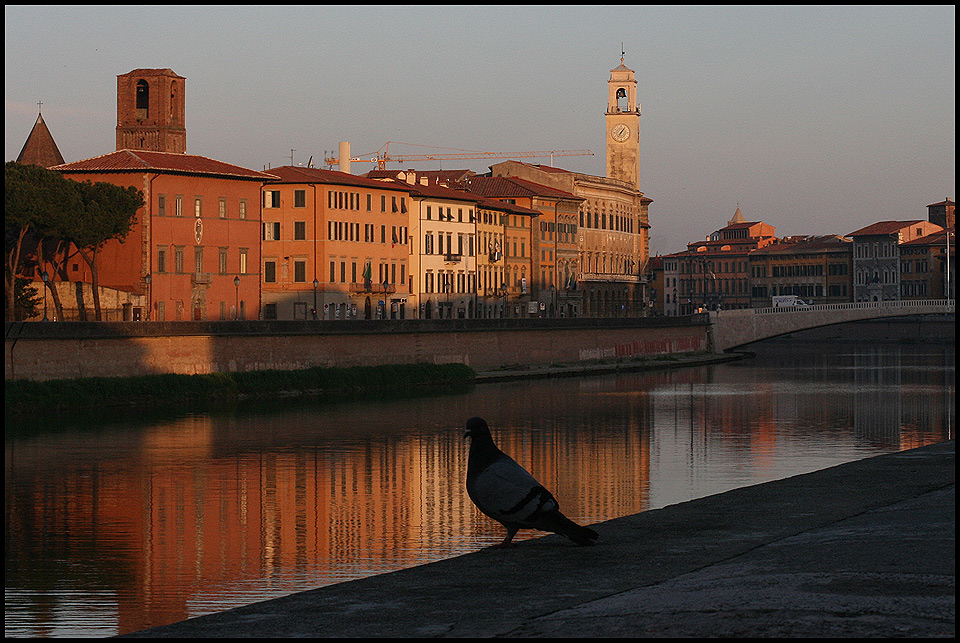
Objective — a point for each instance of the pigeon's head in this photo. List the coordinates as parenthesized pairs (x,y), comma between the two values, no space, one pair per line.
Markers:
(476,427)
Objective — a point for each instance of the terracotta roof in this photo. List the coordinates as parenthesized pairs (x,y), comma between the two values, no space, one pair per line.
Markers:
(166,71)
(884,227)
(441,192)
(433,176)
(40,148)
(938,238)
(504,206)
(509,186)
(144,161)
(946,201)
(297,174)
(806,244)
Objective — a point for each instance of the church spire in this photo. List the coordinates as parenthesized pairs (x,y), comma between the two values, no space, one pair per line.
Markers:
(40,148)
(737,217)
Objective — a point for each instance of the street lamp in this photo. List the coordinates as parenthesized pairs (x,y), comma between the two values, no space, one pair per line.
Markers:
(236,285)
(946,291)
(316,284)
(148,279)
(46,279)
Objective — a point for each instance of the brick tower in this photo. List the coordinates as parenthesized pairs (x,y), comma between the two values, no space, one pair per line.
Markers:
(150,111)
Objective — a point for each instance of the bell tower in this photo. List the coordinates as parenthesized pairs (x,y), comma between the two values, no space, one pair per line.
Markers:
(150,111)
(623,126)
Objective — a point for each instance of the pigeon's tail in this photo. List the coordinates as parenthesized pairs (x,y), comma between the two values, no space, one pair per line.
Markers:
(560,524)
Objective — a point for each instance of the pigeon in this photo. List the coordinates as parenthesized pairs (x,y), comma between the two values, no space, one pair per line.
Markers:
(506,492)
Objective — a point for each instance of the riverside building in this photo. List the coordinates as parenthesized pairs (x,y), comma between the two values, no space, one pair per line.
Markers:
(335,246)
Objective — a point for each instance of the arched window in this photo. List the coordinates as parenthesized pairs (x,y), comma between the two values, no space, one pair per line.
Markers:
(143,99)
(174,100)
(622,105)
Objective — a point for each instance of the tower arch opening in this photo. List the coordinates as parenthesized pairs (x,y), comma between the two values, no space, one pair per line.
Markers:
(143,99)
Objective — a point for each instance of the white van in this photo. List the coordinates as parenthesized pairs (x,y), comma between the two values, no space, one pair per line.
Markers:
(789,301)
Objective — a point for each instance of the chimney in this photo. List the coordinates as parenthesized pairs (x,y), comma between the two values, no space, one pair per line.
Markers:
(344,156)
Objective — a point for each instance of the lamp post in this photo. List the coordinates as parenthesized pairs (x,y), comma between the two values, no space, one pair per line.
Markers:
(236,285)
(316,284)
(149,279)
(46,278)
(946,291)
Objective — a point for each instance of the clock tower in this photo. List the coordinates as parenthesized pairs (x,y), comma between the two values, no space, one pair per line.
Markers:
(623,127)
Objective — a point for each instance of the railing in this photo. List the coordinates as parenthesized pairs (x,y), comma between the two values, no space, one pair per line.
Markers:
(359,288)
(946,304)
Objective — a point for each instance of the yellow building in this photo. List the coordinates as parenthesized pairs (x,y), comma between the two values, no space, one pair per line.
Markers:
(335,246)
(443,249)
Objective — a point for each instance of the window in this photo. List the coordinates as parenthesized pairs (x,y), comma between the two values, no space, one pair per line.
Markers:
(369,201)
(178,259)
(161,260)
(243,208)
(198,259)
(271,231)
(197,206)
(299,198)
(223,261)
(143,99)
(299,230)
(270,272)
(243,260)
(178,205)
(269,311)
(300,271)
(271,198)
(223,207)
(162,205)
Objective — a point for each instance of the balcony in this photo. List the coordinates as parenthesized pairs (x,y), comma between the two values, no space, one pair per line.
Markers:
(452,258)
(201,278)
(359,288)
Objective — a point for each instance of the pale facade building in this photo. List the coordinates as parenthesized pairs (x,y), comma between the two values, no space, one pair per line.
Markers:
(612,224)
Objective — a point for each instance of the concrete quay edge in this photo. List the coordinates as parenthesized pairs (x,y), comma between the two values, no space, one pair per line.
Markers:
(598,368)
(865,548)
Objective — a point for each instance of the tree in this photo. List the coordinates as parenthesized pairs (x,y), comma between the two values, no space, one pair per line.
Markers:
(37,202)
(107,212)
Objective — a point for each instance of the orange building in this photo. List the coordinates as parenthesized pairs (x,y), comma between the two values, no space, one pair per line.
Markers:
(194,249)
(335,246)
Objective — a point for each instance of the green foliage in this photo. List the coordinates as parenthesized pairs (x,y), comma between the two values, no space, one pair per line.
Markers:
(38,198)
(108,212)
(28,396)
(27,301)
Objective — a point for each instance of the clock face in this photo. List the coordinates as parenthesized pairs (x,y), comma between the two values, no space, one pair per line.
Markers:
(620,133)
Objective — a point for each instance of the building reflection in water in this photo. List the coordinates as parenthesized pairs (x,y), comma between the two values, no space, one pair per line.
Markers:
(111,529)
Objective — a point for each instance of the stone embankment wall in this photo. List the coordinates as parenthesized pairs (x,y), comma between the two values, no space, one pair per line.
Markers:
(46,350)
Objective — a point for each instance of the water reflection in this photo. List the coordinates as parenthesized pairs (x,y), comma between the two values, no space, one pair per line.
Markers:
(114,528)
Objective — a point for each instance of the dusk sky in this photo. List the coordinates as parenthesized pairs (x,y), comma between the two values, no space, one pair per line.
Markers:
(816,120)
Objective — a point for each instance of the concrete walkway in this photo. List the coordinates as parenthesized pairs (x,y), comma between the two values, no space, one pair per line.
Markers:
(864,549)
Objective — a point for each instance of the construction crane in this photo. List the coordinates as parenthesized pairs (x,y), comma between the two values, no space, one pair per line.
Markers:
(382,156)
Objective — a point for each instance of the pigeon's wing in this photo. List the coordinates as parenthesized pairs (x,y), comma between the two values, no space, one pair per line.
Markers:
(506,492)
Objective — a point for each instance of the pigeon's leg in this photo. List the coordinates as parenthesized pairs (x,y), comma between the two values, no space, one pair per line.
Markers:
(511,532)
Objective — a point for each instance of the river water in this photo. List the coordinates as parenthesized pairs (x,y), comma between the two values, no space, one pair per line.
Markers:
(116,524)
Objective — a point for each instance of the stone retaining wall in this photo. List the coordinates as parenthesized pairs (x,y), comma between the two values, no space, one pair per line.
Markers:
(42,351)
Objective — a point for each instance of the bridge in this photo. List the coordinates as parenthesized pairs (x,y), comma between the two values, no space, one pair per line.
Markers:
(733,328)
